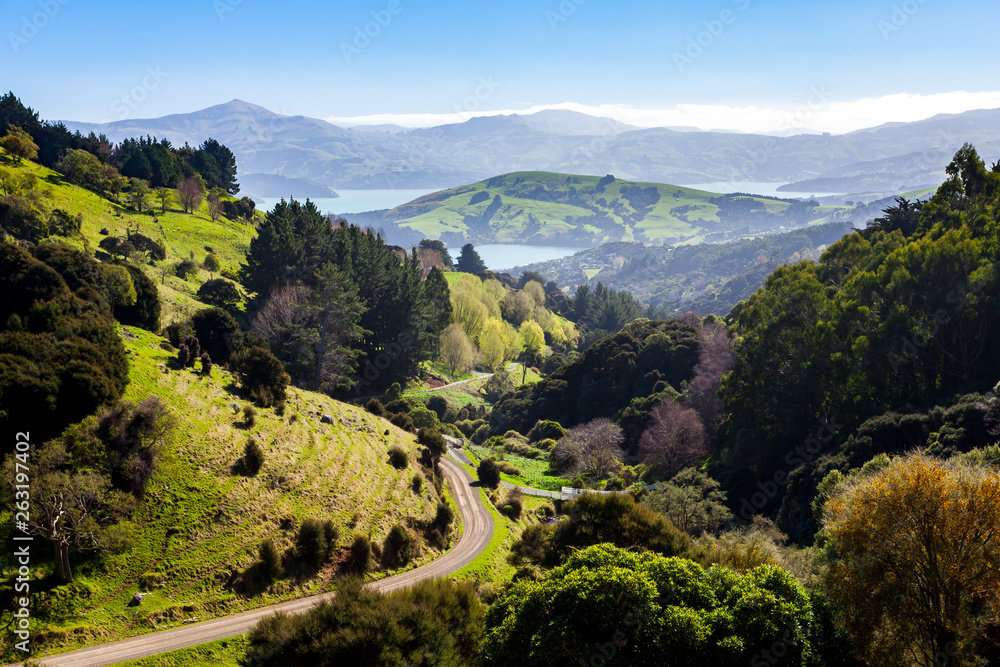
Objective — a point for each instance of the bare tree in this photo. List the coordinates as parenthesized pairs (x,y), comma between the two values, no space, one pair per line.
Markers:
(594,448)
(214,206)
(190,193)
(715,359)
(674,439)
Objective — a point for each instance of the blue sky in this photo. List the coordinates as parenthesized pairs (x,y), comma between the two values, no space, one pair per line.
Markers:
(746,64)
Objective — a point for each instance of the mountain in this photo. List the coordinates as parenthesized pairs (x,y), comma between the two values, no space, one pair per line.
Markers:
(276,185)
(545,208)
(564,141)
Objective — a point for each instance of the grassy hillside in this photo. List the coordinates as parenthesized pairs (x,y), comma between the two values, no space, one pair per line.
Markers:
(198,528)
(559,209)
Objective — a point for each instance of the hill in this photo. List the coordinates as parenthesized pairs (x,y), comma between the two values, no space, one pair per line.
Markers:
(546,208)
(561,141)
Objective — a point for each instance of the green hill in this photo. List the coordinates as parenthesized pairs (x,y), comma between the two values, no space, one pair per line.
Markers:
(558,209)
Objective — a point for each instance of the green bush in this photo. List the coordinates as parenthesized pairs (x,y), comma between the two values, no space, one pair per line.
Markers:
(424,418)
(249,416)
(433,440)
(217,331)
(185,269)
(398,457)
(375,407)
(399,547)
(417,484)
(438,404)
(261,374)
(219,292)
(315,541)
(253,456)
(546,429)
(402,420)
(270,559)
(361,554)
(488,473)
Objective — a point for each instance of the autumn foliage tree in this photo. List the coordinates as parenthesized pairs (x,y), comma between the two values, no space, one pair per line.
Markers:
(916,574)
(674,439)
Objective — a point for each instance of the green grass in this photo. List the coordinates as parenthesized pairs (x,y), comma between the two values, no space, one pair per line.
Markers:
(221,653)
(535,473)
(200,523)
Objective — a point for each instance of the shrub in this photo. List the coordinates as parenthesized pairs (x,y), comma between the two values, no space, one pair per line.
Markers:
(212,263)
(313,543)
(361,553)
(488,473)
(219,292)
(206,364)
(145,312)
(439,404)
(508,468)
(185,269)
(194,349)
(183,356)
(547,444)
(177,332)
(132,436)
(394,392)
(216,330)
(481,434)
(260,373)
(399,547)
(398,457)
(402,420)
(545,429)
(270,559)
(513,505)
(375,407)
(249,415)
(451,430)
(253,456)
(433,440)
(418,483)
(423,418)
(444,516)
(463,414)
(399,405)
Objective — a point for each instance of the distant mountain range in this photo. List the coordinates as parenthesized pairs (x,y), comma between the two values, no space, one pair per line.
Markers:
(890,158)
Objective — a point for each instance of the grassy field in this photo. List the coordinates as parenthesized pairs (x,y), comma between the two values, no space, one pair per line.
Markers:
(535,473)
(549,208)
(221,653)
(198,528)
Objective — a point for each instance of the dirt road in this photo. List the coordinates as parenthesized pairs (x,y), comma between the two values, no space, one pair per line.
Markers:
(478,531)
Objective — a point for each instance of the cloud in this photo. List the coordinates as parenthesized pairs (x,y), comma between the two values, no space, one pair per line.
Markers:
(819,111)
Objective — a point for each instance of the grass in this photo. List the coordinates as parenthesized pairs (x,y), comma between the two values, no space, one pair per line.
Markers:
(200,523)
(222,653)
(535,473)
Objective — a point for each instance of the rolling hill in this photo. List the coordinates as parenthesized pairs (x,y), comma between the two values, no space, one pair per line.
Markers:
(564,141)
(546,208)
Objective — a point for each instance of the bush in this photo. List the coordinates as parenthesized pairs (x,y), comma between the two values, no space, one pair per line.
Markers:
(444,516)
(145,312)
(176,332)
(463,414)
(249,415)
(402,420)
(399,547)
(375,407)
(513,505)
(423,418)
(544,429)
(488,473)
(315,541)
(253,456)
(260,373)
(212,263)
(547,444)
(481,434)
(219,292)
(439,404)
(398,405)
(417,484)
(216,330)
(398,457)
(433,440)
(185,269)
(361,554)
(270,559)
(508,468)
(451,430)
(394,392)
(206,364)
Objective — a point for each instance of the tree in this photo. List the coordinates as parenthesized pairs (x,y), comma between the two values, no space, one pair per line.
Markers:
(608,606)
(493,344)
(222,172)
(219,292)
(594,448)
(85,169)
(715,359)
(145,312)
(534,340)
(440,247)
(674,439)
(469,260)
(692,501)
(916,573)
(138,192)
(457,351)
(121,290)
(72,510)
(270,559)
(212,263)
(261,374)
(163,195)
(217,332)
(190,192)
(214,206)
(438,298)
(19,143)
(469,312)
(488,473)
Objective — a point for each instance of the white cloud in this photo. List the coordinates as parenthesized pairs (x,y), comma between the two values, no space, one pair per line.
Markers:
(819,111)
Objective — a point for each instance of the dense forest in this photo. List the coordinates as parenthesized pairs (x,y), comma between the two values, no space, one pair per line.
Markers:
(811,479)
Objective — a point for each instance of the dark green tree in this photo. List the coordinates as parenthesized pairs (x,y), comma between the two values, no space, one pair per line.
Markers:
(469,260)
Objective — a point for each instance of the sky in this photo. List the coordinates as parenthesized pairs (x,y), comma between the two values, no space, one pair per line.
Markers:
(751,65)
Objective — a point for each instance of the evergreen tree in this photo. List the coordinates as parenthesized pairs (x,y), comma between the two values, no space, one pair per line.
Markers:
(470,261)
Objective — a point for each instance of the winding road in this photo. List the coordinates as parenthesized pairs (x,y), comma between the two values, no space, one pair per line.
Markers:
(476,536)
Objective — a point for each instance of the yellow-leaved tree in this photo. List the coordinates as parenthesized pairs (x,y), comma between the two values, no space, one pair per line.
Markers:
(916,570)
